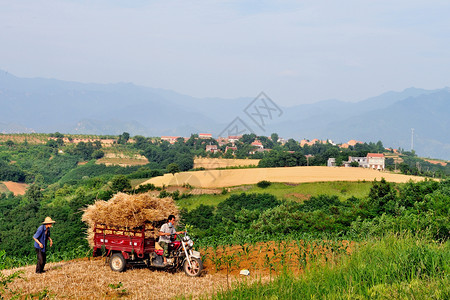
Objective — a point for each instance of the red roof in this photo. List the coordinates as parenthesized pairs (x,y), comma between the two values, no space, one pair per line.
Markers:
(375,155)
(257,143)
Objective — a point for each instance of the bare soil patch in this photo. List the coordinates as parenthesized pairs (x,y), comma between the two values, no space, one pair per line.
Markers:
(16,188)
(235,177)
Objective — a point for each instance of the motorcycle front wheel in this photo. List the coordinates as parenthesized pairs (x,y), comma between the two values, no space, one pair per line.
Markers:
(197,267)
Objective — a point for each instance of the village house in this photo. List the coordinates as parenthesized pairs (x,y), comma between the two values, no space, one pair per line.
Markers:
(232,149)
(376,161)
(362,161)
(222,141)
(170,139)
(331,162)
(314,141)
(234,138)
(257,144)
(212,148)
(205,136)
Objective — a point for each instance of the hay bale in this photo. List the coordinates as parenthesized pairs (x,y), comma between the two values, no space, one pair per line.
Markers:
(125,211)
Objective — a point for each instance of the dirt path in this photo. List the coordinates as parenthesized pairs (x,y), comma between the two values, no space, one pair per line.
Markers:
(235,177)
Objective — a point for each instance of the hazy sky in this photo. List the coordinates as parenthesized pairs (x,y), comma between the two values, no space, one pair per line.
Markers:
(295,51)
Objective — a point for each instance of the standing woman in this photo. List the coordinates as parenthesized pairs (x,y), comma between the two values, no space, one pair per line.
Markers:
(40,243)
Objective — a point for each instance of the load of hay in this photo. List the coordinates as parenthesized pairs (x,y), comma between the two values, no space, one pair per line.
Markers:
(125,212)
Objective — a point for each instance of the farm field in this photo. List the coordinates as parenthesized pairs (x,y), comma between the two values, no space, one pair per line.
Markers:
(217,163)
(123,159)
(83,278)
(393,267)
(295,192)
(93,279)
(235,177)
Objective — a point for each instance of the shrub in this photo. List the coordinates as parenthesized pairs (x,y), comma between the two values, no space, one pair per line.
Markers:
(263,184)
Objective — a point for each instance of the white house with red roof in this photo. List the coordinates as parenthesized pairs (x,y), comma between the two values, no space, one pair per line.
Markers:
(234,138)
(205,136)
(375,161)
(257,144)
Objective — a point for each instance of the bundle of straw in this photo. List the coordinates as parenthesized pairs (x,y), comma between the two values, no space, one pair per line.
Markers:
(125,211)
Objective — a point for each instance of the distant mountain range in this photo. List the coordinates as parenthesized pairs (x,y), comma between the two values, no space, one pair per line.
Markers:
(49,105)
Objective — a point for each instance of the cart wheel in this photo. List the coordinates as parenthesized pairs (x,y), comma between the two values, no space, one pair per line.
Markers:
(197,267)
(117,262)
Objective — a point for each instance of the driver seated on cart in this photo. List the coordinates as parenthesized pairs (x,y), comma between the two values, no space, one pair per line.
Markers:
(165,233)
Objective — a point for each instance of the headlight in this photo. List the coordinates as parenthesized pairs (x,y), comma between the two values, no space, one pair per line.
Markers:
(191,243)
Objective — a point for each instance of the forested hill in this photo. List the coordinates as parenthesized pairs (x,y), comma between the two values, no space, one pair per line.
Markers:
(49,105)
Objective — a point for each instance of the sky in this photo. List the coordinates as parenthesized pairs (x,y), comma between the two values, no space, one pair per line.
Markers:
(295,51)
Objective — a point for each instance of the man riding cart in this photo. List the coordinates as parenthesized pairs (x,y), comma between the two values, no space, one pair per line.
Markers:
(125,229)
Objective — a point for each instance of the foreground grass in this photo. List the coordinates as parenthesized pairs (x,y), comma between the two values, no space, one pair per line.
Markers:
(393,267)
(297,192)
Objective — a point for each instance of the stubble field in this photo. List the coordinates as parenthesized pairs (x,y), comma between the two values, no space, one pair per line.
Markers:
(235,177)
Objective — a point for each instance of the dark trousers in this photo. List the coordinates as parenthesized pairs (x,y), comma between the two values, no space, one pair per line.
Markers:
(41,260)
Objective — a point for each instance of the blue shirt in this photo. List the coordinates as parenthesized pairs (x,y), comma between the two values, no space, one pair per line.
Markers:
(41,237)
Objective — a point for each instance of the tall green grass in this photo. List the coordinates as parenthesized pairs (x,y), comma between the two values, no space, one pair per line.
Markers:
(398,266)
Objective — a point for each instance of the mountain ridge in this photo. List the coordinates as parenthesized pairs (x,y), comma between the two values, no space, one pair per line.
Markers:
(50,105)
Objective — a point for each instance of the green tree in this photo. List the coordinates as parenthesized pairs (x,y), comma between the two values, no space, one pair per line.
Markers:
(354,164)
(120,183)
(173,168)
(123,138)
(274,137)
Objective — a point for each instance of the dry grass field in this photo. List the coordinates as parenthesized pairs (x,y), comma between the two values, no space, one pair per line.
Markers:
(215,163)
(15,187)
(91,279)
(235,177)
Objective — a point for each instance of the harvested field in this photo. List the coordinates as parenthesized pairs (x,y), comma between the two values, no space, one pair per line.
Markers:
(16,188)
(215,163)
(235,177)
(90,279)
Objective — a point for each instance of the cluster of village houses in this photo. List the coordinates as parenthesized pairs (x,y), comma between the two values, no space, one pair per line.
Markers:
(372,160)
